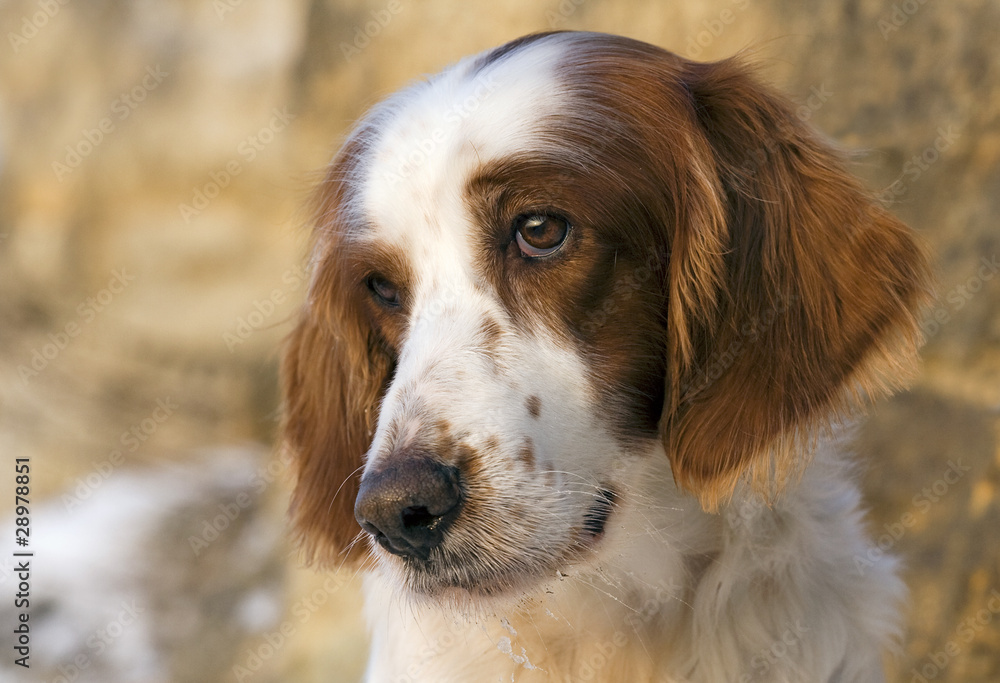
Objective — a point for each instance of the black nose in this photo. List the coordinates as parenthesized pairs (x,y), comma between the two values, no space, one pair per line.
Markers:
(408,505)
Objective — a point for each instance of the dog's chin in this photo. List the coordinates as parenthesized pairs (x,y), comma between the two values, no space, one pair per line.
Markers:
(473,591)
(478,580)
(476,592)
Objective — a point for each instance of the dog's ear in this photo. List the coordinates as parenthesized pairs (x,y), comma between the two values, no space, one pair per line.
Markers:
(807,310)
(332,375)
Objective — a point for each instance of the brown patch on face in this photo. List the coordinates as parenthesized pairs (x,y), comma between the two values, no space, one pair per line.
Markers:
(335,367)
(489,339)
(790,294)
(364,259)
(601,292)
(727,279)
(431,438)
(476,479)
(526,454)
(534,406)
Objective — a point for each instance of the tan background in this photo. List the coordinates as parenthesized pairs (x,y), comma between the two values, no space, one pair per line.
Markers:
(232,107)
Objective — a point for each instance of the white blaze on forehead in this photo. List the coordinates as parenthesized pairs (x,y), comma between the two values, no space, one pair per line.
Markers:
(433,137)
(429,142)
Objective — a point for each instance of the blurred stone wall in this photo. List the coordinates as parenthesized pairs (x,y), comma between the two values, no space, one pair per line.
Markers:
(155,157)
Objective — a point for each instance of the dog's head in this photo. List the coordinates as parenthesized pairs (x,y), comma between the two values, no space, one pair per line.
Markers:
(554,262)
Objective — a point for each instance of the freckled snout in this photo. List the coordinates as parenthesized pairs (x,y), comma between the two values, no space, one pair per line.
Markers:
(408,504)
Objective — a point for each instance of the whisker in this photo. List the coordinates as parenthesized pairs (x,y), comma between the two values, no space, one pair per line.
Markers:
(341,487)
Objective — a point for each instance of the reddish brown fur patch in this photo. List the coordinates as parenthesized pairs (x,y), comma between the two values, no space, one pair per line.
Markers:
(839,280)
(335,366)
(786,281)
(727,278)
(526,453)
(434,440)
(477,485)
(489,340)
(360,260)
(534,406)
(574,293)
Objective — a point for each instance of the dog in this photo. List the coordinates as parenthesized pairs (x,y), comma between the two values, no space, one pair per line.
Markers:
(587,327)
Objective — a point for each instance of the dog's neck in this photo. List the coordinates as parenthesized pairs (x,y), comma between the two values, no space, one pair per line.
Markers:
(675,594)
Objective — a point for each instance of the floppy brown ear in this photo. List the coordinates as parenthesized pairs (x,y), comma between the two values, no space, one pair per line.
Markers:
(332,373)
(816,302)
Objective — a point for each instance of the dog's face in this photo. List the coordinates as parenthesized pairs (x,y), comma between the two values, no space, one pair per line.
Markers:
(543,269)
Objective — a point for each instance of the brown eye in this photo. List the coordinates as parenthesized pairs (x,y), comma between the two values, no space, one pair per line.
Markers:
(540,234)
(384,291)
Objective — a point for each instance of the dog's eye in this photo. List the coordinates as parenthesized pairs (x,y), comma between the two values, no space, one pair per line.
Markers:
(540,234)
(384,291)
